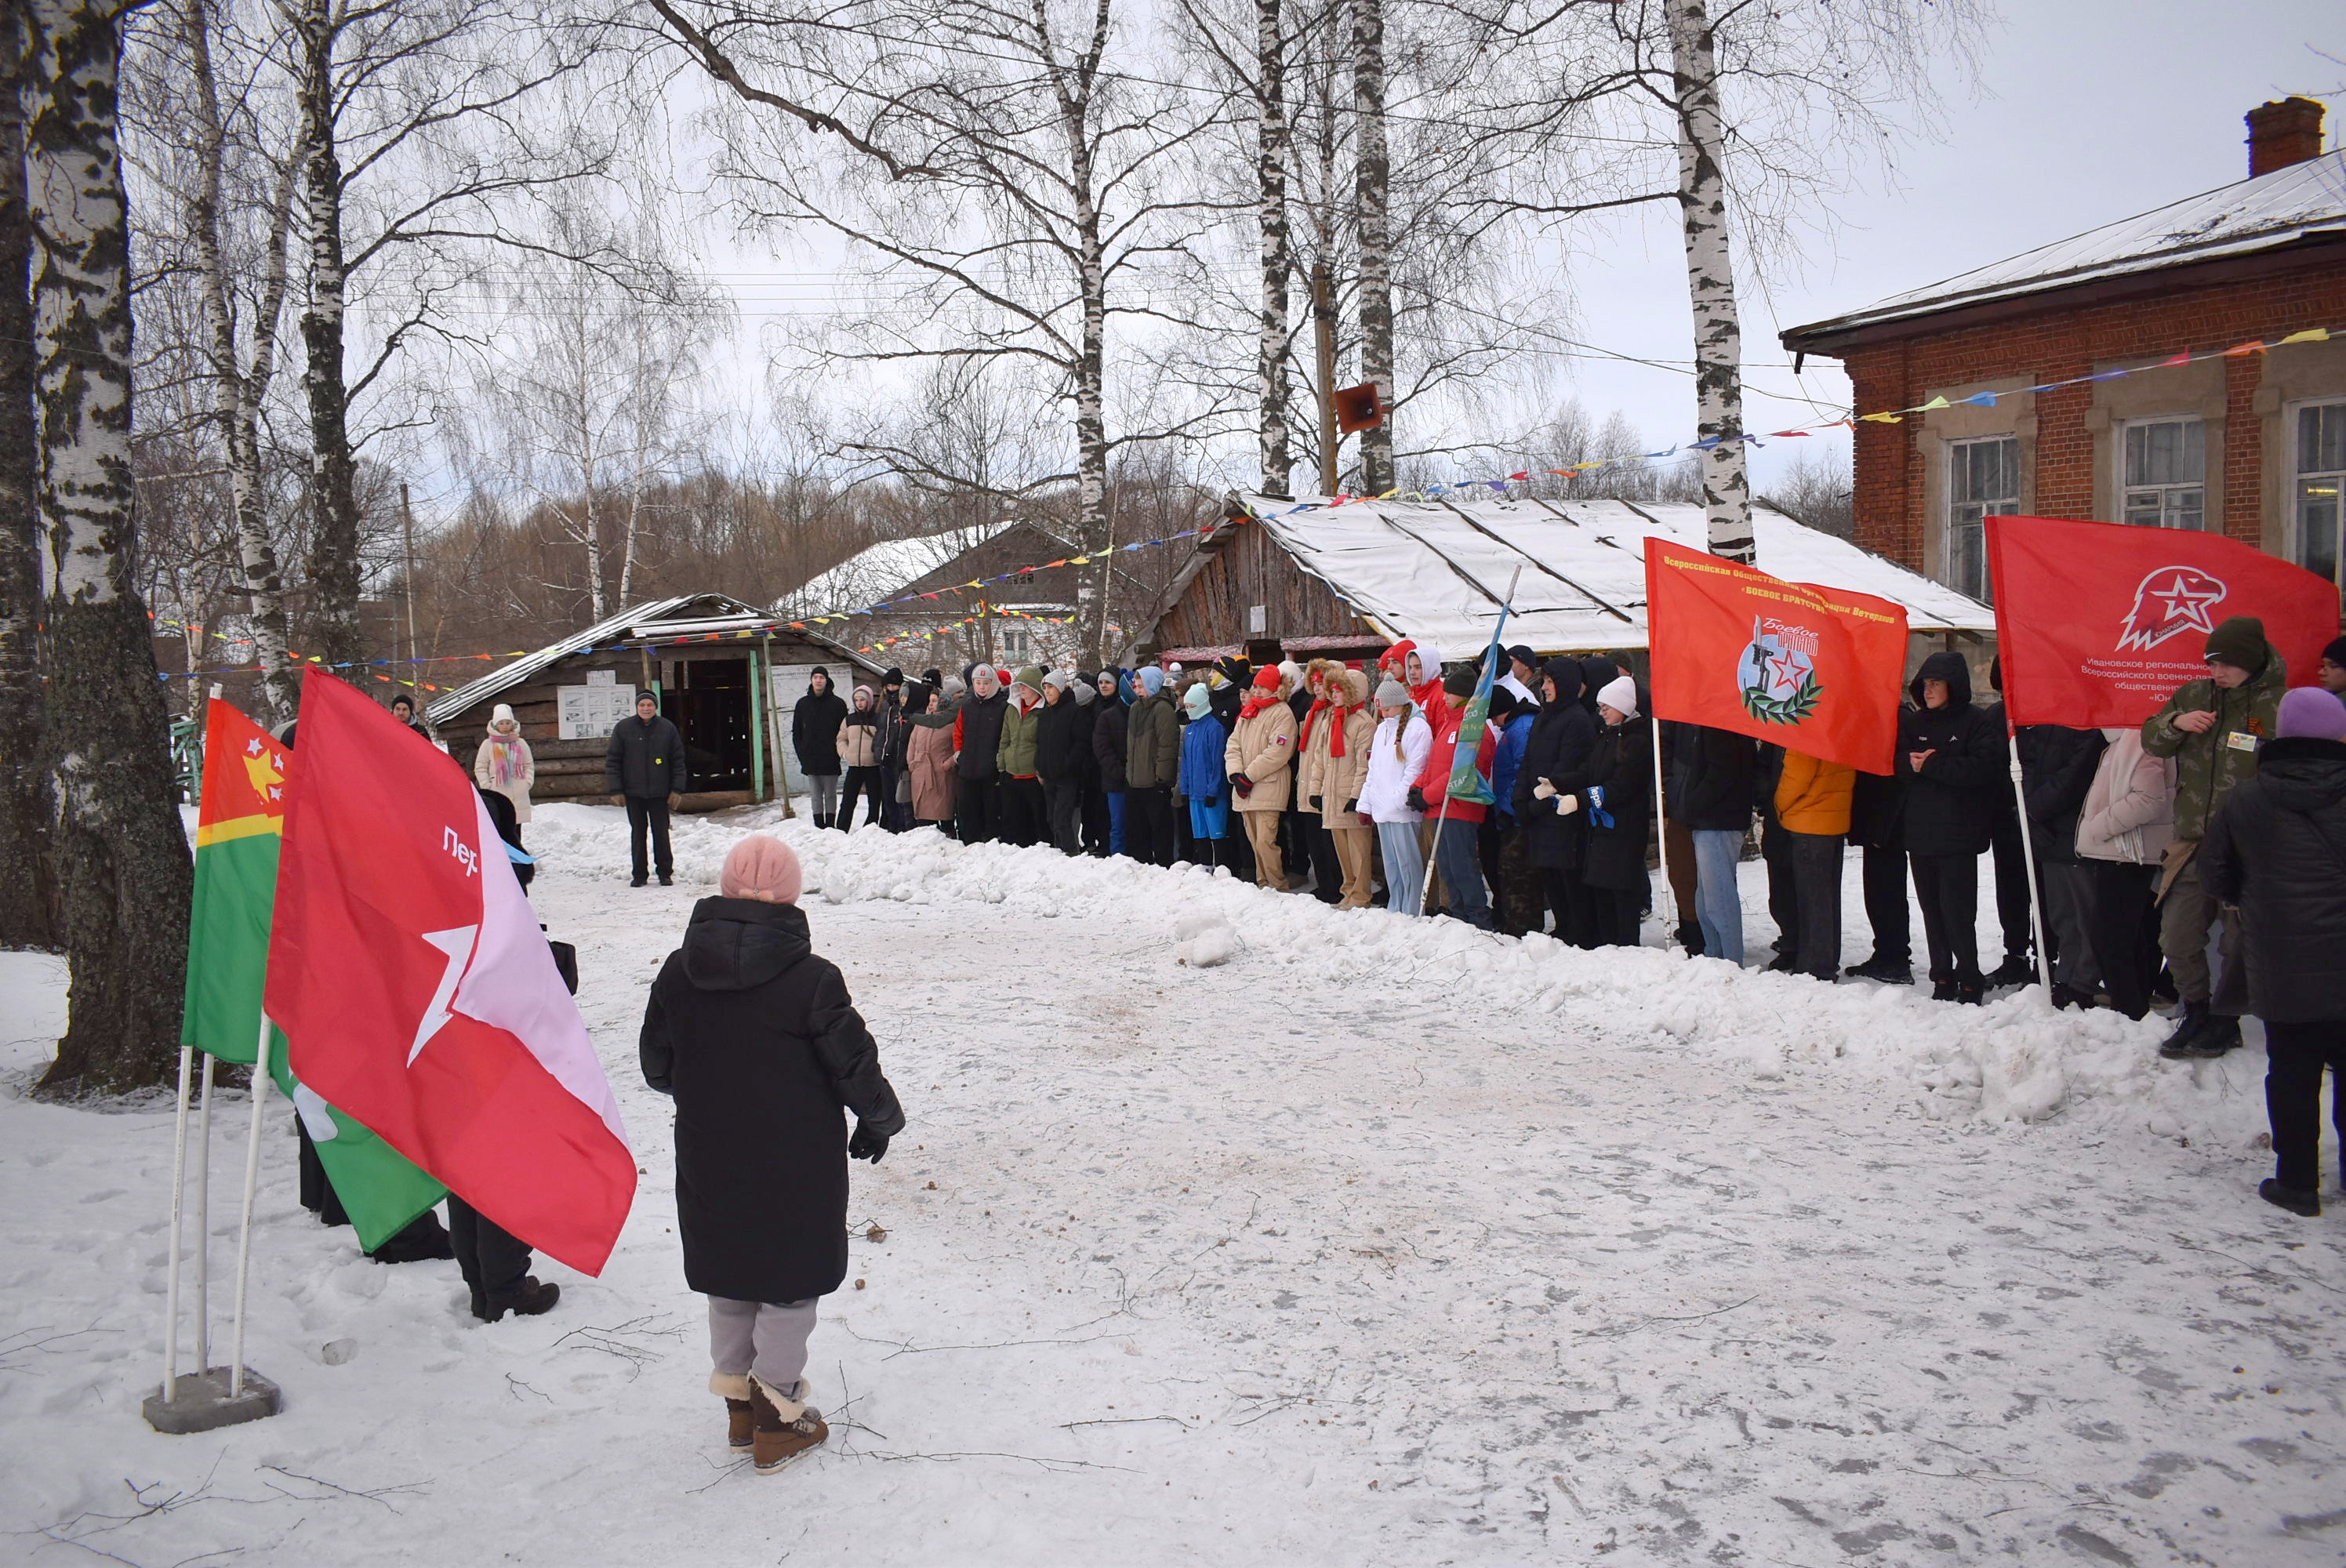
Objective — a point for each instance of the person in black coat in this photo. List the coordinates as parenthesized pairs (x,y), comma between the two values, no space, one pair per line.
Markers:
(1951,761)
(2010,860)
(1716,773)
(1562,741)
(814,736)
(643,768)
(759,1044)
(894,725)
(1873,817)
(977,741)
(1618,804)
(1062,749)
(1110,731)
(2275,848)
(2056,768)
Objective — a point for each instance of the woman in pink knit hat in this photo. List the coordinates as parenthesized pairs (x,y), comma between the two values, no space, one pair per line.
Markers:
(761,1048)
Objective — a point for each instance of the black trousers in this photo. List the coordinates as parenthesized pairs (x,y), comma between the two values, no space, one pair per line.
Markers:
(1886,910)
(1062,802)
(895,814)
(975,804)
(1614,914)
(1096,816)
(1816,892)
(1149,825)
(1947,887)
(2295,1055)
(493,1258)
(1570,900)
(1783,890)
(861,782)
(1327,871)
(2123,926)
(1021,808)
(649,811)
(2012,887)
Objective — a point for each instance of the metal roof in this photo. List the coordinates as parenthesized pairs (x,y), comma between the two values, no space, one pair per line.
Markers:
(2305,200)
(881,571)
(612,629)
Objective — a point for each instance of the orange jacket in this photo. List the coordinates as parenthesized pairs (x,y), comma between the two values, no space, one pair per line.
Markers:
(1812,796)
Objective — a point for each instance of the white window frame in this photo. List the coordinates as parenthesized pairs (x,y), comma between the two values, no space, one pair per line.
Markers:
(2293,474)
(2126,492)
(1954,529)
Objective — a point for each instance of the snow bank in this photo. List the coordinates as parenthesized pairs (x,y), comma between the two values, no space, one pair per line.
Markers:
(2013,1061)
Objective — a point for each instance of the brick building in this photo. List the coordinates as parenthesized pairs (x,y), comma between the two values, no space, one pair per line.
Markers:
(2253,442)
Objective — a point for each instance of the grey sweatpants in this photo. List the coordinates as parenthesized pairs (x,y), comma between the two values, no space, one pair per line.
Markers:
(767,1337)
(822,794)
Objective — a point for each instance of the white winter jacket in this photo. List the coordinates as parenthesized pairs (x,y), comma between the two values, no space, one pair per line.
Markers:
(2129,810)
(1385,798)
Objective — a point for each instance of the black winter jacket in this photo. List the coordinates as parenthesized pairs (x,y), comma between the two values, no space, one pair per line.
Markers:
(2056,768)
(1874,812)
(814,731)
(1562,741)
(1716,768)
(1949,807)
(1622,766)
(981,734)
(759,1045)
(645,761)
(2277,848)
(1109,731)
(1062,742)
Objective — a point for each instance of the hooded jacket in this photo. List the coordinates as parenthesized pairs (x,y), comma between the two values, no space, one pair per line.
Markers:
(1397,751)
(977,734)
(1441,758)
(1203,778)
(1263,746)
(1152,753)
(814,730)
(1022,728)
(2056,768)
(760,1047)
(2208,765)
(1063,742)
(1111,729)
(1622,765)
(1949,807)
(1563,739)
(2277,848)
(1343,779)
(1812,795)
(929,765)
(858,733)
(2129,810)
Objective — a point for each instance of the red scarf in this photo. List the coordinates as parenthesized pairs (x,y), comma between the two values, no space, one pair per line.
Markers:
(1254,704)
(1304,740)
(1336,735)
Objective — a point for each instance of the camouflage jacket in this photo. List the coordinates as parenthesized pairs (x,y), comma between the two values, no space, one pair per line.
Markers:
(2206,765)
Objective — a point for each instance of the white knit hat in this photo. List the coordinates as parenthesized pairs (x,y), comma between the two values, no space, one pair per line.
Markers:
(1620,695)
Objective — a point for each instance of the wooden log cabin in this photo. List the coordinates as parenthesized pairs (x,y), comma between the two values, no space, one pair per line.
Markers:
(712,659)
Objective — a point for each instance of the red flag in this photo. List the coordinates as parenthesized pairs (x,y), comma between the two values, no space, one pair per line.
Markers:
(1813,668)
(2098,623)
(420,996)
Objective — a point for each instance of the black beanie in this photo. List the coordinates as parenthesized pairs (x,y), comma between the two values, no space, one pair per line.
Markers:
(1503,702)
(894,677)
(2238,642)
(1461,680)
(2336,652)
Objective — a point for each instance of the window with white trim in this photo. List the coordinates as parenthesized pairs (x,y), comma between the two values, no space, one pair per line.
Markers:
(1983,482)
(2165,473)
(2316,486)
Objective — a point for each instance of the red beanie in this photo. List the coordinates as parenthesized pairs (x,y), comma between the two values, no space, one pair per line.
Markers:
(1267,678)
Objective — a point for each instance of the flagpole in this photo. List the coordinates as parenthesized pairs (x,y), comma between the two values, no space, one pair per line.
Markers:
(244,1229)
(2028,853)
(1492,655)
(1661,822)
(178,1225)
(204,1221)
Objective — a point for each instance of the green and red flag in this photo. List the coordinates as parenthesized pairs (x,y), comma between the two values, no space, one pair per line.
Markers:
(238,826)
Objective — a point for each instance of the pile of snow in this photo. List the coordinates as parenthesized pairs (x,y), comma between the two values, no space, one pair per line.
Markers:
(2015,1060)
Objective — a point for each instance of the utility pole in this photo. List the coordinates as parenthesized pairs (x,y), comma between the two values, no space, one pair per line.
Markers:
(1323,330)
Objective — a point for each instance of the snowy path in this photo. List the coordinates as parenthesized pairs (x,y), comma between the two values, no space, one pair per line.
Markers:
(1380,1242)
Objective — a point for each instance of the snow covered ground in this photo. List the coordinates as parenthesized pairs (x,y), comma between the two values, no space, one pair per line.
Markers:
(1355,1240)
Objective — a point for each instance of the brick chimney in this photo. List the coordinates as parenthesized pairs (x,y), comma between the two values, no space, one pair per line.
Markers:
(2283,132)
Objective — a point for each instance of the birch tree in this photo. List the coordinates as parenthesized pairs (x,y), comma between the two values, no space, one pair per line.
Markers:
(24,896)
(1711,281)
(1372,200)
(122,856)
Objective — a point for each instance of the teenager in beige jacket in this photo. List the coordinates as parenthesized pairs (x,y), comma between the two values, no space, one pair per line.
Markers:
(1260,761)
(1338,780)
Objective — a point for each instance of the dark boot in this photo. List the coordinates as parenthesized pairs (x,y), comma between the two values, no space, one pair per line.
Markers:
(2015,970)
(1942,991)
(2178,1043)
(2218,1034)
(740,1418)
(1690,937)
(1889,972)
(2305,1204)
(530,1299)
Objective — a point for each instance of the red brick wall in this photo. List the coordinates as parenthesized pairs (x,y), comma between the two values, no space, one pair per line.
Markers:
(1888,482)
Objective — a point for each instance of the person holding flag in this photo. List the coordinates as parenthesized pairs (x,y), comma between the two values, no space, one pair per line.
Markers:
(1454,790)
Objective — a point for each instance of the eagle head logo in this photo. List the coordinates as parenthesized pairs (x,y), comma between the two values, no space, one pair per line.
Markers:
(2171,601)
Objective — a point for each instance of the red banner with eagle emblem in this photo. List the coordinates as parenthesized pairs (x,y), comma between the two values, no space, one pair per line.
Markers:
(2097,622)
(1802,665)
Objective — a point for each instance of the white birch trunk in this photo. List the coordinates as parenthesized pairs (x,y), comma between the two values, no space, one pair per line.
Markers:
(1372,201)
(1711,281)
(26,912)
(1277,252)
(333,500)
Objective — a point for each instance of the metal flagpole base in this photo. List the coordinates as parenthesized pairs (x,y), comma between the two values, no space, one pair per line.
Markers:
(200,1402)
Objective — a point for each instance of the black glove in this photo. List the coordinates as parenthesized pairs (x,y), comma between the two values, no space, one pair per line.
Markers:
(1242,784)
(1315,802)
(1417,799)
(1353,807)
(1213,801)
(865,1144)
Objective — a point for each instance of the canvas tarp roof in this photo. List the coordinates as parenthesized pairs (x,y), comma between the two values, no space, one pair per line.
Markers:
(1437,571)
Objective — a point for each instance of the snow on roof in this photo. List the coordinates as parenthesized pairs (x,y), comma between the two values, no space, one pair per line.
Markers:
(2274,210)
(1437,572)
(878,571)
(612,629)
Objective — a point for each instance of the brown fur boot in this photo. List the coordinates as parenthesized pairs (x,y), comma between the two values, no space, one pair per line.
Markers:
(741,1421)
(785,1428)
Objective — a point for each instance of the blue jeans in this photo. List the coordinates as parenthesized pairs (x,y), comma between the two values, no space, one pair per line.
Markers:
(1404,867)
(1457,850)
(1717,904)
(1115,821)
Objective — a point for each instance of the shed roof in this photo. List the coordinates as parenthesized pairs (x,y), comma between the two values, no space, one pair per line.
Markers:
(629,624)
(1436,571)
(2301,202)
